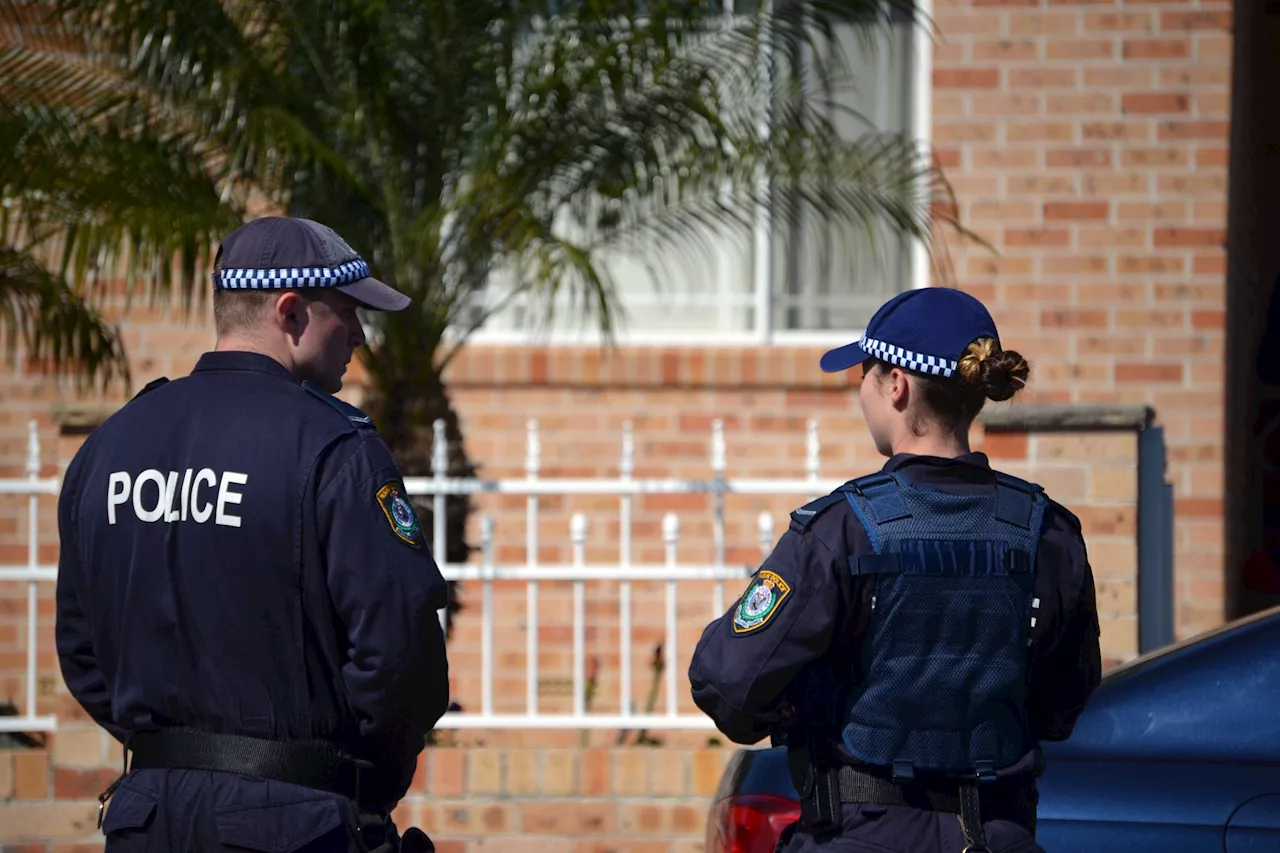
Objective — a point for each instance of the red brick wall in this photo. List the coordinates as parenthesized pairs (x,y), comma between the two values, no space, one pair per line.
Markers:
(630,800)
(1088,142)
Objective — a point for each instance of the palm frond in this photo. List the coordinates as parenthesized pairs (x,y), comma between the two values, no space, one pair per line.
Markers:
(459,140)
(612,139)
(54,325)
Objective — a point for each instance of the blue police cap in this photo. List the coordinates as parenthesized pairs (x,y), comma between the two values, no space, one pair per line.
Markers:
(285,252)
(925,330)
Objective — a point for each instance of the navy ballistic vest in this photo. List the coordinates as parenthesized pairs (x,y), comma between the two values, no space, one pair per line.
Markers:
(944,662)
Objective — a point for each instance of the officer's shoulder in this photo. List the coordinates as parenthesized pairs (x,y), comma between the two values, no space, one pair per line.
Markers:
(151,386)
(146,391)
(145,395)
(1064,518)
(352,416)
(806,516)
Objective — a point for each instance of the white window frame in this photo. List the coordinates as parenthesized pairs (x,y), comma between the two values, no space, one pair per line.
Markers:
(763,333)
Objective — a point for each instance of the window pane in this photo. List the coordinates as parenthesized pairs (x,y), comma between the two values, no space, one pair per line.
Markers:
(705,285)
(830,276)
(823,276)
(687,293)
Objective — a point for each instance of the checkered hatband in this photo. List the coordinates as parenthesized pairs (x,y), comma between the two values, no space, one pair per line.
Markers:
(280,279)
(905,358)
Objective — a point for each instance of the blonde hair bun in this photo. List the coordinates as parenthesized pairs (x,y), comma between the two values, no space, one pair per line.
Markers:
(998,373)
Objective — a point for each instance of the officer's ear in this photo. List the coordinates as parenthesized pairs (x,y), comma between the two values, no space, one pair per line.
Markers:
(290,313)
(897,385)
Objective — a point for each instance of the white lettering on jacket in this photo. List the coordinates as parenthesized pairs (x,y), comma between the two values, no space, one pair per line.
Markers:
(176,496)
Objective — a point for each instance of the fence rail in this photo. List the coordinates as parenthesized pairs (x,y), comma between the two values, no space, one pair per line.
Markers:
(531,572)
(626,488)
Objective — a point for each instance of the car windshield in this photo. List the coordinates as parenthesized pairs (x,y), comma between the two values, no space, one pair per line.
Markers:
(1129,668)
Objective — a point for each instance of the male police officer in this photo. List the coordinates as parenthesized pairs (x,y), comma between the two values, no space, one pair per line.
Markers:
(915,634)
(244,594)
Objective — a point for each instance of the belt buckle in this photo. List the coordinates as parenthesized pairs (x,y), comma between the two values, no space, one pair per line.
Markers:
(983,772)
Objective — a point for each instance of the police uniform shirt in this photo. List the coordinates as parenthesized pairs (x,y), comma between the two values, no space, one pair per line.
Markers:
(804,608)
(238,555)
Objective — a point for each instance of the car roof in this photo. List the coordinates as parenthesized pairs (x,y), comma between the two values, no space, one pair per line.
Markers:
(1264,620)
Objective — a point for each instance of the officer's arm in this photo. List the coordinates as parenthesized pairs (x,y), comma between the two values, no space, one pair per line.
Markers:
(1068,666)
(72,634)
(785,619)
(386,589)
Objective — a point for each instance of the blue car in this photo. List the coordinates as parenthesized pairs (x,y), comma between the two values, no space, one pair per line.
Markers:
(1178,752)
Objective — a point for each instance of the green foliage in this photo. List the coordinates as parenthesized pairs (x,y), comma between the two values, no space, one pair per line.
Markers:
(446,140)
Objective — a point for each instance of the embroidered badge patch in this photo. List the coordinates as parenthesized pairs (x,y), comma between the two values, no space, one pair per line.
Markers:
(404,521)
(761,600)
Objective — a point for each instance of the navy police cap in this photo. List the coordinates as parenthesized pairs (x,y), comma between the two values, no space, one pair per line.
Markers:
(285,252)
(925,330)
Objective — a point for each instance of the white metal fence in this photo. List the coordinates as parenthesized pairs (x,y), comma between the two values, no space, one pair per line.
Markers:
(32,574)
(624,571)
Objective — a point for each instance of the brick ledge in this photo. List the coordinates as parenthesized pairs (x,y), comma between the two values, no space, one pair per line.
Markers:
(1049,417)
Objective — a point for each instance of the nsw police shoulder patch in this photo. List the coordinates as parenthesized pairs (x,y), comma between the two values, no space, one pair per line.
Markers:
(763,598)
(399,512)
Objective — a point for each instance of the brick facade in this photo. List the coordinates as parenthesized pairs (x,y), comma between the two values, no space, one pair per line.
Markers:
(1086,140)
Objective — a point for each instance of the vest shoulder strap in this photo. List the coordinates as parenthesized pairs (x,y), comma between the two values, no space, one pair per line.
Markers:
(882,495)
(876,499)
(1019,502)
(1022,504)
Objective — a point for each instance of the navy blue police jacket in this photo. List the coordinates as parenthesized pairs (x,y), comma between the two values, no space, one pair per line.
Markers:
(238,556)
(741,678)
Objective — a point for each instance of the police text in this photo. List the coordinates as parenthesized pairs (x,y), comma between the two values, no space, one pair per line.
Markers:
(157,495)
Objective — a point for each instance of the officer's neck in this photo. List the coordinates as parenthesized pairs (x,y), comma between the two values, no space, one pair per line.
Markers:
(239,342)
(943,446)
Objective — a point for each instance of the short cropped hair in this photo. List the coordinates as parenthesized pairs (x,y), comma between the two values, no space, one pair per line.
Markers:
(238,310)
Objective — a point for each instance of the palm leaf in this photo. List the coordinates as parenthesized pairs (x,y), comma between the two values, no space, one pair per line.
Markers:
(455,142)
(54,325)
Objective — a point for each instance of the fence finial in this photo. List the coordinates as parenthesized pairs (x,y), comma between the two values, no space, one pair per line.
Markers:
(33,448)
(717,447)
(533,449)
(814,446)
(670,528)
(627,464)
(439,449)
(765,524)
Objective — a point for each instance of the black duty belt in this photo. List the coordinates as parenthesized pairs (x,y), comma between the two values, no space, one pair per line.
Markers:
(1006,799)
(298,763)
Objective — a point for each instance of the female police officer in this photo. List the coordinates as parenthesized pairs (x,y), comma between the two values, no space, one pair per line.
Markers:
(917,632)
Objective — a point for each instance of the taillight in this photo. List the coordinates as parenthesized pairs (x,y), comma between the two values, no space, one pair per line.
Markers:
(751,823)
